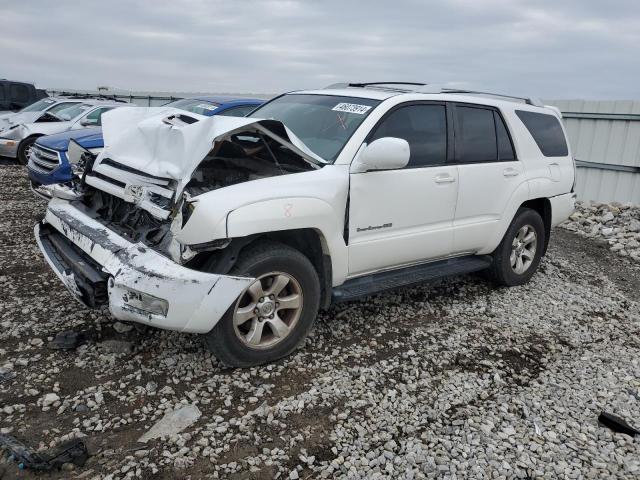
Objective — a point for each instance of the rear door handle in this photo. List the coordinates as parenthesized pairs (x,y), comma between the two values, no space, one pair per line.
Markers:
(444,178)
(510,172)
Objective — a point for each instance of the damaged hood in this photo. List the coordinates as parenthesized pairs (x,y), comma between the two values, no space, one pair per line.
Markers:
(168,143)
(8,121)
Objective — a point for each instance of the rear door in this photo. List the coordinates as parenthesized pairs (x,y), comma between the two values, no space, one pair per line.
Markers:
(404,216)
(489,175)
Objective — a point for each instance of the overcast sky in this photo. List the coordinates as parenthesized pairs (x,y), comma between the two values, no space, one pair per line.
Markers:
(548,48)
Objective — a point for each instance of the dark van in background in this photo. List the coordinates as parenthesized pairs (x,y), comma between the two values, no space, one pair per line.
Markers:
(17,95)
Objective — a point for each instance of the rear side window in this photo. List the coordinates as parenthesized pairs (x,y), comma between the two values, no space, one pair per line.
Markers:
(475,135)
(424,127)
(546,131)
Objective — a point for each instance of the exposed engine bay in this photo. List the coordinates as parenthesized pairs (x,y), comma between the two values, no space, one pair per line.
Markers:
(241,158)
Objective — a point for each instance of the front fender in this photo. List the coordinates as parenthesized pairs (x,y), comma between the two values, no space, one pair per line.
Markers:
(292,213)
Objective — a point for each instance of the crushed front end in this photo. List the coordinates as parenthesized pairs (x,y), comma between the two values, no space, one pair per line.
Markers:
(111,235)
(99,266)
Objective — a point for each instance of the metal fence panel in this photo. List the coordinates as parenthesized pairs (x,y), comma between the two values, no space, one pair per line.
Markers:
(604,133)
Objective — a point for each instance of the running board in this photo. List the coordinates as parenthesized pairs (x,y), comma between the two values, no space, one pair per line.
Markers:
(402,277)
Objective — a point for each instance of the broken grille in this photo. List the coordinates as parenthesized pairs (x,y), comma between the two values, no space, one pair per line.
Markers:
(127,219)
(150,193)
(43,160)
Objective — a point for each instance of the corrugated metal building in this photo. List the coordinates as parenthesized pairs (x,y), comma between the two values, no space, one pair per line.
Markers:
(605,139)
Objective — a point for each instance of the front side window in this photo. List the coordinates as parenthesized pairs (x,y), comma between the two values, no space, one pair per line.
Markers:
(324,123)
(424,127)
(546,131)
(475,135)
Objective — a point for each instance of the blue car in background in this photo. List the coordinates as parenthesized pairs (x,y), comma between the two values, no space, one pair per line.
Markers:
(48,163)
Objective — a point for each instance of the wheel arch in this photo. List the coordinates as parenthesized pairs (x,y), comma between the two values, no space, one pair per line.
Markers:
(310,242)
(33,136)
(543,207)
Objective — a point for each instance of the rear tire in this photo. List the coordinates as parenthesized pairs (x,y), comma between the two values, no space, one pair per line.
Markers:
(24,148)
(273,316)
(517,257)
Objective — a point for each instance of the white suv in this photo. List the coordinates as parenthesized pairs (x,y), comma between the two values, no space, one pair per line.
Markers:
(242,228)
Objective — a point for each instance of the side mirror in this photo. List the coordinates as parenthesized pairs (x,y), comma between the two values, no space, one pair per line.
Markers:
(88,123)
(387,153)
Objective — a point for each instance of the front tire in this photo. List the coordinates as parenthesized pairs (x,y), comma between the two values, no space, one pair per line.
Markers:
(273,316)
(24,148)
(517,257)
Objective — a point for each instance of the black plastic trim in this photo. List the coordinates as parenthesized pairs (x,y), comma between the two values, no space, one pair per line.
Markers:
(402,277)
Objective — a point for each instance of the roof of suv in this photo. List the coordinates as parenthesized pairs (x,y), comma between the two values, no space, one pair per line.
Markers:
(385,90)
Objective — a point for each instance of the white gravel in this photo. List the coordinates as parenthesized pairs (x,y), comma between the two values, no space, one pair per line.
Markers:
(618,224)
(453,380)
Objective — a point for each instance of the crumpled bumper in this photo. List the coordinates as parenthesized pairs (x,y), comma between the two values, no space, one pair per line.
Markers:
(141,285)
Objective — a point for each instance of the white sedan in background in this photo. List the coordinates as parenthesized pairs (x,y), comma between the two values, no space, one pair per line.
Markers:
(18,134)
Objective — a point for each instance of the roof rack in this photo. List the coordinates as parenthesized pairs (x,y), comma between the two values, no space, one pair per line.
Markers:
(432,88)
(93,96)
(390,86)
(528,100)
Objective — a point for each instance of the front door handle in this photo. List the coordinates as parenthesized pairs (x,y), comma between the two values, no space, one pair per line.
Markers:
(510,172)
(444,178)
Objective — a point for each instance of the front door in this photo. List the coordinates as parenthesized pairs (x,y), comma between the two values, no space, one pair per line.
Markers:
(405,216)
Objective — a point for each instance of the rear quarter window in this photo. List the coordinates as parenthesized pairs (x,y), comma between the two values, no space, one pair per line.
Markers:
(546,131)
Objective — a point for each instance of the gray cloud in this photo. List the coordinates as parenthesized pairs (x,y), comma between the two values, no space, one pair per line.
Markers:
(552,49)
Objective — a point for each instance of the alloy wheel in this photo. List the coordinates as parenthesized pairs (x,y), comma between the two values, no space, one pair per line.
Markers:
(523,249)
(268,310)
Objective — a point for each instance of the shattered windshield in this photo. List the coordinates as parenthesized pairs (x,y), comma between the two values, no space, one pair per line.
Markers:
(324,123)
(201,107)
(39,106)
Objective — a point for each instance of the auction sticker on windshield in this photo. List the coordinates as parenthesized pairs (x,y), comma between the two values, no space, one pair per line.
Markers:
(352,108)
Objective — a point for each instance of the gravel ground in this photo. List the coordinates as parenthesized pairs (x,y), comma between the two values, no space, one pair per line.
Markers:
(617,223)
(457,379)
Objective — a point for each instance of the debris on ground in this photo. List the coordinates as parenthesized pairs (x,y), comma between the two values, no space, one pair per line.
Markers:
(67,340)
(617,424)
(172,423)
(72,451)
